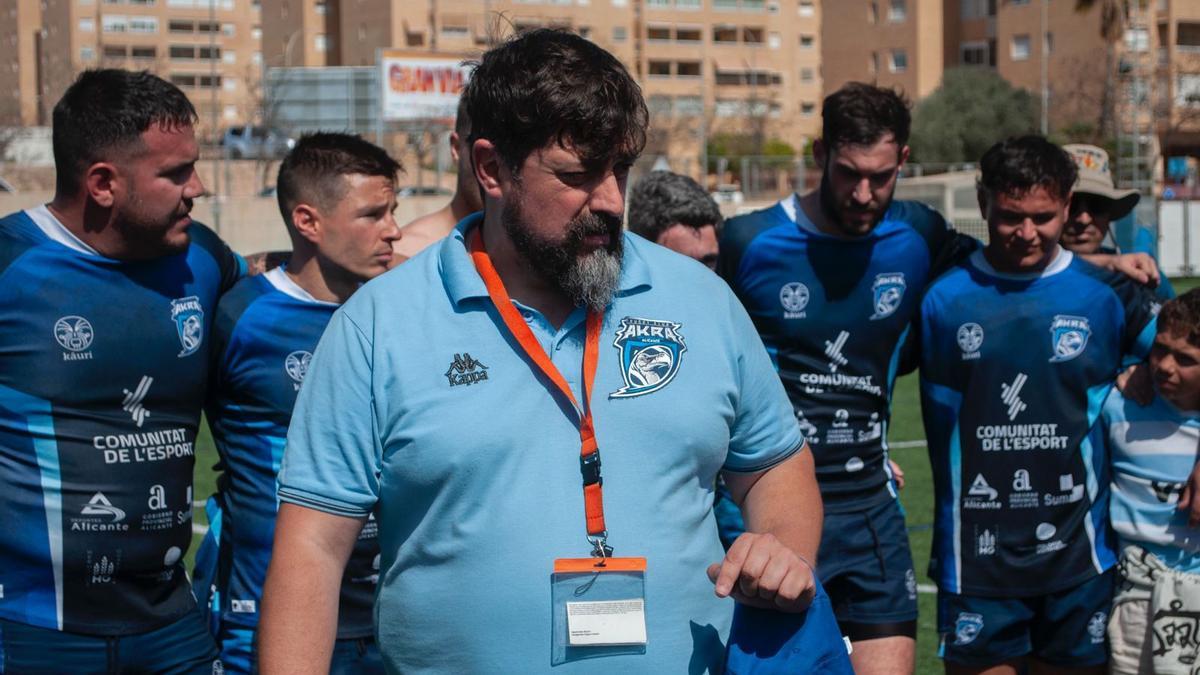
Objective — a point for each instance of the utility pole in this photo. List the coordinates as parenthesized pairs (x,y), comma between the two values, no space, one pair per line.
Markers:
(213,116)
(1045,69)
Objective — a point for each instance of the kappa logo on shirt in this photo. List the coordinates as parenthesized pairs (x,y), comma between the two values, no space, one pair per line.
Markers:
(651,352)
(465,370)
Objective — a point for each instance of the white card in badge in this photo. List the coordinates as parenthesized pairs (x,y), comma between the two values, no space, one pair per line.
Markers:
(598,608)
(606,623)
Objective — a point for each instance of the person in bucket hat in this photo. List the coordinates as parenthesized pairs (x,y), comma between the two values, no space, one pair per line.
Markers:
(1096,203)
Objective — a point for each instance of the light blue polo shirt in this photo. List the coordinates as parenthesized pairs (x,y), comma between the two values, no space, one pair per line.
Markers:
(420,407)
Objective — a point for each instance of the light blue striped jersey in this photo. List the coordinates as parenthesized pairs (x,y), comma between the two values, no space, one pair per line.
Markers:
(1153,450)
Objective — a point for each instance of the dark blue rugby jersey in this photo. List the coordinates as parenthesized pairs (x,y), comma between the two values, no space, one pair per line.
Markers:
(266,330)
(833,314)
(1014,369)
(103,366)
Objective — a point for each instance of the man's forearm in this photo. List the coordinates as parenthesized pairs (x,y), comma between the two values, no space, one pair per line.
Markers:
(300,599)
(785,502)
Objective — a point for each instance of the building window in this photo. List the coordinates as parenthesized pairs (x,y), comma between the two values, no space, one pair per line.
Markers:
(806,9)
(455,31)
(229,56)
(728,108)
(658,33)
(143,24)
(87,25)
(620,3)
(227,29)
(899,61)
(725,34)
(179,26)
(687,69)
(873,63)
(150,53)
(659,104)
(808,108)
(873,13)
(689,106)
(321,8)
(1048,44)
(725,4)
(807,41)
(112,23)
(1019,50)
(774,41)
(321,43)
(256,58)
(898,11)
(1017,3)
(973,53)
(687,4)
(1187,91)
(256,33)
(619,33)
(660,68)
(689,34)
(658,3)
(1137,39)
(752,36)
(807,75)
(87,54)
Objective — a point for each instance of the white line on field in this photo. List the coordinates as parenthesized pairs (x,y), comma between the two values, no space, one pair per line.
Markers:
(907,444)
(197,528)
(929,589)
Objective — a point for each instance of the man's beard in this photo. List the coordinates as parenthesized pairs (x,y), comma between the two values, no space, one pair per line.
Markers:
(589,280)
(833,210)
(146,232)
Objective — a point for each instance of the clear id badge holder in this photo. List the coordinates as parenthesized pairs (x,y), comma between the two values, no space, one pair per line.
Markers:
(598,608)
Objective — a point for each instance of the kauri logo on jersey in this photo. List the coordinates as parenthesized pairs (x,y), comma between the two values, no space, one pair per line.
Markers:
(794,298)
(74,333)
(188,316)
(970,339)
(296,366)
(1068,337)
(888,292)
(650,355)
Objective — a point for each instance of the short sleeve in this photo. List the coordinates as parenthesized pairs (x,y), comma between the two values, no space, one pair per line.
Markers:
(332,457)
(765,431)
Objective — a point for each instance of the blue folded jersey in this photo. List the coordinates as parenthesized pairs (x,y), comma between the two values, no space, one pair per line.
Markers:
(764,641)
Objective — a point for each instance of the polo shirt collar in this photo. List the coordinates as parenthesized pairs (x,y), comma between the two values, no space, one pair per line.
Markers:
(463,282)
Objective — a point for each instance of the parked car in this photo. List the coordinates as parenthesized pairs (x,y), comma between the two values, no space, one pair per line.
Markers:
(727,194)
(252,142)
(422,191)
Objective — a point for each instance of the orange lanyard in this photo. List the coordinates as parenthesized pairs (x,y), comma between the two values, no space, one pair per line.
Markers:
(589,452)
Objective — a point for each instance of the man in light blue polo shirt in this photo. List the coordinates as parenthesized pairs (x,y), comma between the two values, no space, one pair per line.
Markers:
(428,404)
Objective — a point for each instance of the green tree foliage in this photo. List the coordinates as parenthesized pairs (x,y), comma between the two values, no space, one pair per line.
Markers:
(745,145)
(971,110)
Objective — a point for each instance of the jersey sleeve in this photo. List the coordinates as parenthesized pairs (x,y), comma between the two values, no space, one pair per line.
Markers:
(231,265)
(332,458)
(765,431)
(1141,319)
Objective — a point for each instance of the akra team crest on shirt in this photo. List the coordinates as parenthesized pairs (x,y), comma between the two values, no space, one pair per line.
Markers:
(650,354)
(888,291)
(189,322)
(1069,337)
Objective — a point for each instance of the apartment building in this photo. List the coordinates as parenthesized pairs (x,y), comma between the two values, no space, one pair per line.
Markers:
(210,48)
(706,66)
(1149,77)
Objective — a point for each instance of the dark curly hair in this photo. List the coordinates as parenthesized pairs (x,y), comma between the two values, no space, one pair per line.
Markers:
(551,85)
(862,114)
(1017,165)
(1181,316)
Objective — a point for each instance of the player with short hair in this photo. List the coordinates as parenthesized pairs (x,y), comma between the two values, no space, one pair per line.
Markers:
(336,193)
(107,297)
(674,211)
(832,280)
(1020,344)
(1153,450)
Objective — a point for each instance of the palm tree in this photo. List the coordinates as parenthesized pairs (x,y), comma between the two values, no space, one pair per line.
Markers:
(1113,14)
